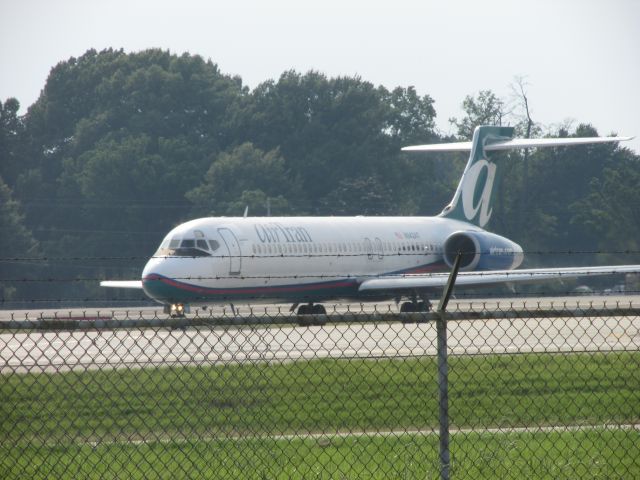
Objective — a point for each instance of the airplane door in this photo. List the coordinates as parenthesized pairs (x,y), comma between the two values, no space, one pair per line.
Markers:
(233,248)
(379,250)
(368,248)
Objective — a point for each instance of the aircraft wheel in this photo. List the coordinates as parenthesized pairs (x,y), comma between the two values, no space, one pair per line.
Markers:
(303,315)
(424,306)
(319,310)
(175,310)
(407,307)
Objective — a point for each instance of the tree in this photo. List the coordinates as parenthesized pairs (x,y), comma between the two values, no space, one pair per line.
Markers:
(484,109)
(610,210)
(410,117)
(244,176)
(11,138)
(558,178)
(16,241)
(116,140)
(329,130)
(359,196)
(525,127)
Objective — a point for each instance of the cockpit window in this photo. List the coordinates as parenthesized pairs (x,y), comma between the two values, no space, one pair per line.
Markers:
(187,247)
(214,245)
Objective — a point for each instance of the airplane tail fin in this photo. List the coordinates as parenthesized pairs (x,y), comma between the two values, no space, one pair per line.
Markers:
(474,196)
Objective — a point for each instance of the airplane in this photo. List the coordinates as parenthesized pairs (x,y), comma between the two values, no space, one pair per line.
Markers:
(309,260)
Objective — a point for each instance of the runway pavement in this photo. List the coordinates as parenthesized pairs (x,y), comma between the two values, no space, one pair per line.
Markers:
(57,351)
(463,304)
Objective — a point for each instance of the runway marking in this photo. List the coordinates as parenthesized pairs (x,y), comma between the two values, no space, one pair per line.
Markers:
(327,437)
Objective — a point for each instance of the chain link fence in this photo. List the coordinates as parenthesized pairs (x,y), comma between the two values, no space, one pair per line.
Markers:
(536,390)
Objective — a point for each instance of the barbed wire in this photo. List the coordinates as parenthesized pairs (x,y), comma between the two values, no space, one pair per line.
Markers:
(374,254)
(459,295)
(319,276)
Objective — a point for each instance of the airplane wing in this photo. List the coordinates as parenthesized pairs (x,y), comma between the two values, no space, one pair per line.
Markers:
(121,283)
(473,279)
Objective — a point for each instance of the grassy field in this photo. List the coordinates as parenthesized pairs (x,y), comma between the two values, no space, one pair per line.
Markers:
(509,455)
(229,420)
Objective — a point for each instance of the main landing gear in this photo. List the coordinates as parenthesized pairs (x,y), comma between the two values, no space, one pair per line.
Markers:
(307,312)
(411,307)
(414,306)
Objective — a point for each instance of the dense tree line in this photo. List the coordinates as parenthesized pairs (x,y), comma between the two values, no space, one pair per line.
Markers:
(121,147)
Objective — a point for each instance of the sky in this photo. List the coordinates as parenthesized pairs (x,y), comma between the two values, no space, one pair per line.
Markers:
(580,59)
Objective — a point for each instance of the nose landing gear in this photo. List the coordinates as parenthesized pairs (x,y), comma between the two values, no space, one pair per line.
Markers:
(176,310)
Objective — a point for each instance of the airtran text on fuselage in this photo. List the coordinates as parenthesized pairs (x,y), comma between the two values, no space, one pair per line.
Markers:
(277,233)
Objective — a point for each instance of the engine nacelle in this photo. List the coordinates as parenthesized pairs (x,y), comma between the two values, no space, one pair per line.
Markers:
(482,251)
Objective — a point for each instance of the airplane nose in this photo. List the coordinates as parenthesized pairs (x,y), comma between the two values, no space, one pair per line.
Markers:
(152,284)
(152,267)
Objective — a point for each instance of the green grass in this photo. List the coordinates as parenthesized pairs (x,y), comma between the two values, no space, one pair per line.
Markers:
(570,455)
(185,416)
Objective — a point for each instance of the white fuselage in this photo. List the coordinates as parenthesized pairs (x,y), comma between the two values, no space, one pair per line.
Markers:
(298,259)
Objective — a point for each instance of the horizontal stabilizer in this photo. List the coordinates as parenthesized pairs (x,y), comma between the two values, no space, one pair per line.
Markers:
(471,279)
(550,142)
(516,143)
(121,284)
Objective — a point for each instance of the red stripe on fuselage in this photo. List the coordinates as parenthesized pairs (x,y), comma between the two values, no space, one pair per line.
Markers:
(429,268)
(249,290)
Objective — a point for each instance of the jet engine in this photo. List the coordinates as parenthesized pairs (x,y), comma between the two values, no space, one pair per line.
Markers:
(482,251)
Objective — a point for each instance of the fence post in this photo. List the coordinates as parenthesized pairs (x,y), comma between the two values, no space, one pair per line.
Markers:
(443,371)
